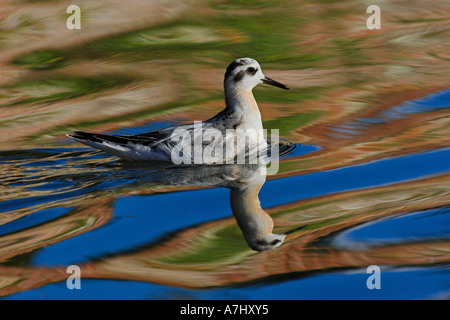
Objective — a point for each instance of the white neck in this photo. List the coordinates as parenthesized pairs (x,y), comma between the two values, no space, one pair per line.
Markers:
(242,102)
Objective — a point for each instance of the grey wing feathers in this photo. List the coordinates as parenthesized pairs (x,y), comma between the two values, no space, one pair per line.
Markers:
(148,139)
(155,145)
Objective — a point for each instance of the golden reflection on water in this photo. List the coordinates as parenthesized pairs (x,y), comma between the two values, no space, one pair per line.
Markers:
(164,61)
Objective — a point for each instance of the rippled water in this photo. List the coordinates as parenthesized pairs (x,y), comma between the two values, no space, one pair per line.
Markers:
(363,178)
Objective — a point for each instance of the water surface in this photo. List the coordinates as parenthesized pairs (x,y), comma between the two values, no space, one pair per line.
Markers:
(364,171)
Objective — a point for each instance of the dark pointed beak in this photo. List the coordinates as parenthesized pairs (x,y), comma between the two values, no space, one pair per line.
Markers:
(272,82)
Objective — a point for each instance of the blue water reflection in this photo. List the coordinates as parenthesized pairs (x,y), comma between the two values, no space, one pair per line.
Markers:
(424,225)
(401,283)
(432,102)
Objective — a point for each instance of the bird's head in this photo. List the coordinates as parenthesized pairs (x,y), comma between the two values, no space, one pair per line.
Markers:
(270,241)
(246,73)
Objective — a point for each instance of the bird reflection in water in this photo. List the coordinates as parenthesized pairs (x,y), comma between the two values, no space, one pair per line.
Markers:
(244,181)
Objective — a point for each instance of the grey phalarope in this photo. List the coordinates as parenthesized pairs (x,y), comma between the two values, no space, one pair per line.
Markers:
(241,112)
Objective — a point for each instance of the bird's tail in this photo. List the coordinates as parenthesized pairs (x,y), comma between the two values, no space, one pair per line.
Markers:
(121,146)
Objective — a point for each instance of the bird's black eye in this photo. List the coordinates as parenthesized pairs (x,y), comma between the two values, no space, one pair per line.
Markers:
(274,242)
(251,70)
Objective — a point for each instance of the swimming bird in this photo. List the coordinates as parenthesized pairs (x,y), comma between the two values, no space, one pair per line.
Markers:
(241,112)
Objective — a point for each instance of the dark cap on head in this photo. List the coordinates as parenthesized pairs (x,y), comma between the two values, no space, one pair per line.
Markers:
(236,63)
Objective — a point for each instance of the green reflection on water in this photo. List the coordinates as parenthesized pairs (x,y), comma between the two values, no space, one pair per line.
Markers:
(42,60)
(62,87)
(289,123)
